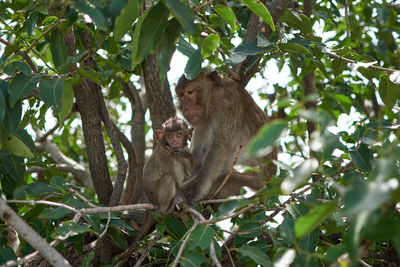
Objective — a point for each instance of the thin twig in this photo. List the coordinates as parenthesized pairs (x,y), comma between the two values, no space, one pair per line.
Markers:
(44,33)
(244,210)
(52,27)
(106,227)
(213,255)
(147,250)
(51,255)
(229,173)
(44,202)
(90,204)
(353,62)
(221,200)
(178,256)
(52,130)
(4,41)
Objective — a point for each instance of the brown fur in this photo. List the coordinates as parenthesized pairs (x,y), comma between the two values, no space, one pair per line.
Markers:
(224,117)
(167,167)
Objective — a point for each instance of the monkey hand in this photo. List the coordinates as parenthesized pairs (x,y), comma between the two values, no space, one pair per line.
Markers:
(179,151)
(176,201)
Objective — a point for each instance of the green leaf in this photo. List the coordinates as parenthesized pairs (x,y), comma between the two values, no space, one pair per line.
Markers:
(50,91)
(227,14)
(306,26)
(209,45)
(125,19)
(90,74)
(7,254)
(152,30)
(16,66)
(30,23)
(338,66)
(58,48)
(118,238)
(229,206)
(343,51)
(69,228)
(258,8)
(176,228)
(185,48)
(389,91)
(12,117)
(167,46)
(192,258)
(26,138)
(58,182)
(301,174)
(193,66)
(386,228)
(306,223)
(362,157)
(135,41)
(309,242)
(87,260)
(294,48)
(183,13)
(57,213)
(20,87)
(15,146)
(256,254)
(13,165)
(363,197)
(292,19)
(95,221)
(94,13)
(38,190)
(249,49)
(264,141)
(67,101)
(202,236)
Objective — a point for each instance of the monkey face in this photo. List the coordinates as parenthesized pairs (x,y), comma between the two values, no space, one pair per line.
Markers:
(176,139)
(189,99)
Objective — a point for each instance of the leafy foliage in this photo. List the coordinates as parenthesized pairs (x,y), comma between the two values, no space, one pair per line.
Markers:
(335,197)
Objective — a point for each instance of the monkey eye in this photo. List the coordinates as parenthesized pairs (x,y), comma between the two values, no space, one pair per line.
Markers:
(179,134)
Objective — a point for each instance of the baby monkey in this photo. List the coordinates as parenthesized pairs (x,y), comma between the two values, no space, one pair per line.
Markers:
(168,166)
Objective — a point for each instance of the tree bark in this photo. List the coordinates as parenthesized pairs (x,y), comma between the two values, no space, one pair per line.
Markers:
(133,190)
(159,95)
(276,9)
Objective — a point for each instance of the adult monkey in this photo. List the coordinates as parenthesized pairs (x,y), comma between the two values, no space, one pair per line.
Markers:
(224,117)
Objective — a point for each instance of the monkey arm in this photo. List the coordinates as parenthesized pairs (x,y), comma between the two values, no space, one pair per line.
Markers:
(216,161)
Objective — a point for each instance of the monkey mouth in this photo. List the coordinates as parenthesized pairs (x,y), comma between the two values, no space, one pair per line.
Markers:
(192,118)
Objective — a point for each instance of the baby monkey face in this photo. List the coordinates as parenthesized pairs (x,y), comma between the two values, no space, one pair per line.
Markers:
(176,139)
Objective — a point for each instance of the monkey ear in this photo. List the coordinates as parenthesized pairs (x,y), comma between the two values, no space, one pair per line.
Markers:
(159,134)
(214,78)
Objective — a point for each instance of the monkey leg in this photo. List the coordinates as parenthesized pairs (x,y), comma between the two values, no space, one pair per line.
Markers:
(166,193)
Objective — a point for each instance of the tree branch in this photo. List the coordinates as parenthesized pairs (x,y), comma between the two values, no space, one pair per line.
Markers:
(34,239)
(64,163)
(276,9)
(134,184)
(367,66)
(122,164)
